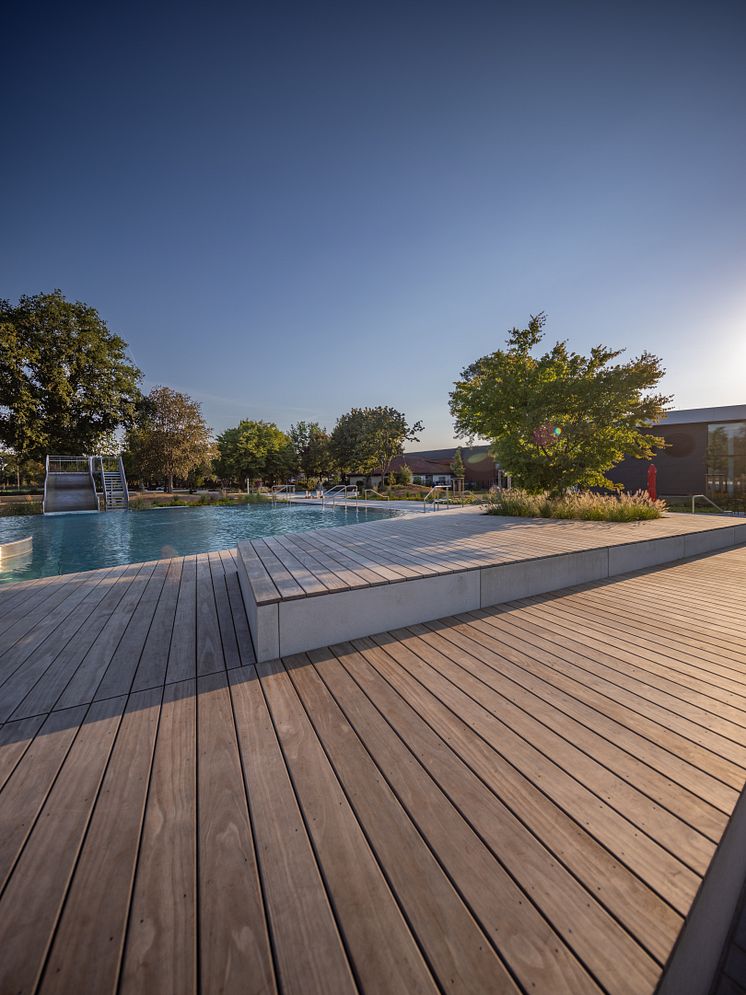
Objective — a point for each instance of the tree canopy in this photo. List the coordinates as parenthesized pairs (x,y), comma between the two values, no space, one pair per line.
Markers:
(366,440)
(559,419)
(66,383)
(255,450)
(312,453)
(170,438)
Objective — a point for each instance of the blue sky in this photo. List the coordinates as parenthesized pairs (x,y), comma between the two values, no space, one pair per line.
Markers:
(288,210)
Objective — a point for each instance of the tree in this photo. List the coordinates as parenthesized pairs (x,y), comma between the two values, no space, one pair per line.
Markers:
(311,444)
(404,475)
(255,450)
(560,419)
(170,437)
(66,383)
(457,466)
(366,440)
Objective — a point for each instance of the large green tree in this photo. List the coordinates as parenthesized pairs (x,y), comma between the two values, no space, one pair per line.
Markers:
(559,419)
(66,382)
(366,440)
(170,438)
(311,445)
(255,450)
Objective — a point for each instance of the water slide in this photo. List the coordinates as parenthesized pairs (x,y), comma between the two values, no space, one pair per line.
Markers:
(67,490)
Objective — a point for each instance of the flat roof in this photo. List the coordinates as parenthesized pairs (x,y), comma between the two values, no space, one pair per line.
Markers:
(688,416)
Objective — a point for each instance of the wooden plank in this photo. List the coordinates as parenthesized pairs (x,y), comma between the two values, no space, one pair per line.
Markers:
(33,897)
(89,939)
(46,640)
(709,751)
(589,758)
(160,951)
(34,627)
(233,939)
(293,563)
(151,669)
(231,655)
(26,789)
(120,673)
(533,951)
(587,729)
(629,900)
(84,683)
(182,655)
(261,583)
(310,956)
(238,612)
(15,739)
(460,955)
(676,883)
(40,692)
(384,954)
(210,657)
(282,579)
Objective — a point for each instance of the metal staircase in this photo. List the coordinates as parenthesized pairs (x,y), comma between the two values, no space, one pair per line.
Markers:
(114,482)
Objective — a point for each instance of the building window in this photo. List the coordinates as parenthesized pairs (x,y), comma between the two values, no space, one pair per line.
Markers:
(726,461)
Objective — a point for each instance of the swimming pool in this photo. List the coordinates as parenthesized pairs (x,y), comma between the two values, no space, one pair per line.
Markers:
(67,543)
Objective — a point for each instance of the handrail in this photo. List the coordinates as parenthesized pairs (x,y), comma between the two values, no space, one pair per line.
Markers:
(372,490)
(46,478)
(339,490)
(436,500)
(278,489)
(710,501)
(123,477)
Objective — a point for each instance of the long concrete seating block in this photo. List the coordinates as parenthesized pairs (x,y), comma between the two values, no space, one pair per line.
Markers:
(310,623)
(284,625)
(524,578)
(650,553)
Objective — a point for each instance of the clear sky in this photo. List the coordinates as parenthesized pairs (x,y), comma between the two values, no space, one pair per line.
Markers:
(291,209)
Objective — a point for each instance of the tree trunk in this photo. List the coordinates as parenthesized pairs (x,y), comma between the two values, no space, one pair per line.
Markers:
(170,481)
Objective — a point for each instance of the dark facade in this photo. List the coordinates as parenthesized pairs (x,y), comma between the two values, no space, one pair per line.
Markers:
(433,466)
(705,454)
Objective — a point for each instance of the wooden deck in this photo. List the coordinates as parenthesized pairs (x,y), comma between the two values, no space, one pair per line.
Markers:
(521,799)
(388,551)
(306,590)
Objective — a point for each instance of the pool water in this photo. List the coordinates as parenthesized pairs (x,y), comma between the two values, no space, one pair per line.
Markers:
(68,543)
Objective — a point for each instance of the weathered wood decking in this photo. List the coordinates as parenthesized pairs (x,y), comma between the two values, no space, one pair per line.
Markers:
(524,798)
(308,589)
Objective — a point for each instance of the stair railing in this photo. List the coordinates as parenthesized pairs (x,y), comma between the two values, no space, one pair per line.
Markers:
(443,499)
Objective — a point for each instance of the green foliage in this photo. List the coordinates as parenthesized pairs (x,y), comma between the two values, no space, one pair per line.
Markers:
(366,440)
(458,464)
(575,504)
(22,508)
(255,450)
(312,451)
(205,500)
(66,383)
(559,420)
(391,479)
(170,437)
(404,475)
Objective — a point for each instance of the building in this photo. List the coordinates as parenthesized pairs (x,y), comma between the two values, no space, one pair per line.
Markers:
(705,454)
(433,467)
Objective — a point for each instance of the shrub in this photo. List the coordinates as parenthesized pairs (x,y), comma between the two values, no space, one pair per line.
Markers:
(583,505)
(22,508)
(404,475)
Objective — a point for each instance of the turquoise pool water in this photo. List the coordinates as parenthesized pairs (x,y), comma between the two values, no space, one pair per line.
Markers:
(67,543)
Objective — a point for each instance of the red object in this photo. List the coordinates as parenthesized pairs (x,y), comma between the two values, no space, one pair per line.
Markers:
(652,487)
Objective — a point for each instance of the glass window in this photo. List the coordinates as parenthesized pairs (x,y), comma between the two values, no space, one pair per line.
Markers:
(726,461)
